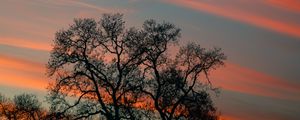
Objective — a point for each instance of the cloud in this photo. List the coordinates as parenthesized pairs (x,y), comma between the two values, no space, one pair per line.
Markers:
(290,5)
(101,9)
(16,80)
(242,15)
(87,5)
(22,73)
(244,80)
(20,64)
(24,43)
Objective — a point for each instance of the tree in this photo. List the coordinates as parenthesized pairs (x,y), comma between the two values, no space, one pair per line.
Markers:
(176,88)
(24,106)
(7,110)
(102,69)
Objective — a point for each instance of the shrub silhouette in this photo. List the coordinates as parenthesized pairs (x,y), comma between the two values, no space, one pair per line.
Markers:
(22,107)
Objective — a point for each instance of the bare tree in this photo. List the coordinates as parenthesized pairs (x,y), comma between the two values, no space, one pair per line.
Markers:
(7,109)
(176,83)
(28,106)
(24,106)
(102,69)
(98,86)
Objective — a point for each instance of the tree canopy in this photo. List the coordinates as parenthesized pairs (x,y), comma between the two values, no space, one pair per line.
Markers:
(22,107)
(104,70)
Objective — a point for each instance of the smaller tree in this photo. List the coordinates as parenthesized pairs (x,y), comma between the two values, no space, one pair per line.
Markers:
(28,105)
(7,109)
(23,106)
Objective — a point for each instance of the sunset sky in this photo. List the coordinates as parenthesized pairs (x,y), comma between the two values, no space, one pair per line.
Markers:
(261,38)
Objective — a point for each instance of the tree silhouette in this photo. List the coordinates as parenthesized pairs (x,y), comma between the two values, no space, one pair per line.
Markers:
(177,90)
(24,106)
(102,69)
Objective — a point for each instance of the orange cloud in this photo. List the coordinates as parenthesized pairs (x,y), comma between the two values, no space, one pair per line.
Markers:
(21,73)
(291,5)
(20,64)
(240,79)
(15,79)
(36,45)
(241,15)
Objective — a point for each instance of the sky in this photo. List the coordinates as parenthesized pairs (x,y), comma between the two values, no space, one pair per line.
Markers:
(261,39)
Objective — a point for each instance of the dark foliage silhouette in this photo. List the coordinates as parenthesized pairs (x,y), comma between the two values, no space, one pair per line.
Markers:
(177,90)
(103,70)
(22,107)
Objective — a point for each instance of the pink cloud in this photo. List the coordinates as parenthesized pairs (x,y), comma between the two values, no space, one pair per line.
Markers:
(20,64)
(242,15)
(22,73)
(290,5)
(244,80)
(24,43)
